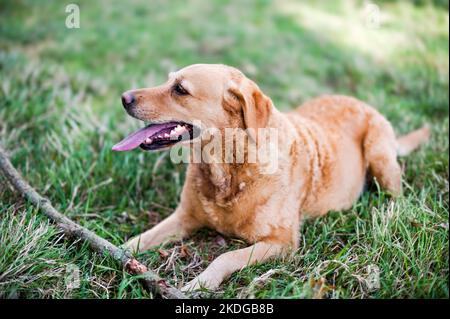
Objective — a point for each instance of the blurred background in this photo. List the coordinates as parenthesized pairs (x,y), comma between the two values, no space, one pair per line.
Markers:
(60,113)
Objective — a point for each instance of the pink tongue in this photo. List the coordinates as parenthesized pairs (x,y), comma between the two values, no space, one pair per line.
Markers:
(137,138)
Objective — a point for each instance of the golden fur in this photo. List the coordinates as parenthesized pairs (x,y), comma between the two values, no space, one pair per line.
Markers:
(325,148)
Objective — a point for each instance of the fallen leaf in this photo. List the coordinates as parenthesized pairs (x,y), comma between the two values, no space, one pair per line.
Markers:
(319,287)
(184,251)
(415,224)
(163,253)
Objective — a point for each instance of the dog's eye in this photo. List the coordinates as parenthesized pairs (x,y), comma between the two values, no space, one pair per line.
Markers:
(179,89)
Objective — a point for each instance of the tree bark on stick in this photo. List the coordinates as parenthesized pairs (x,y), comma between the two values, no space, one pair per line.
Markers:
(150,279)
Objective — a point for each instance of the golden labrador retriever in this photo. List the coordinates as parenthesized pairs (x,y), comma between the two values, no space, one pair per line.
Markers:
(324,150)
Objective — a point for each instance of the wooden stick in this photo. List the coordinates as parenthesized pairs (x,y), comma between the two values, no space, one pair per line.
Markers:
(150,280)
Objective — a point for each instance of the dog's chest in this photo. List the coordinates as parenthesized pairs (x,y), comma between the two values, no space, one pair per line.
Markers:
(221,207)
(226,203)
(235,210)
(229,218)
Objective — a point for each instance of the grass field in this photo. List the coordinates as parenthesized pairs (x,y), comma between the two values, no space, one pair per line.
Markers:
(60,113)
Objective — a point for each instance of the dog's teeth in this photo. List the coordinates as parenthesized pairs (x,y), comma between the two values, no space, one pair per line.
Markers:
(175,132)
(148,140)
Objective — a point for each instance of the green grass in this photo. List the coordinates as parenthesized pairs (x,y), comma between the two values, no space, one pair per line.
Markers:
(60,114)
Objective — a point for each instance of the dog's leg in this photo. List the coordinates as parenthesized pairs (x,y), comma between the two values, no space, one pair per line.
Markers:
(174,227)
(380,151)
(227,263)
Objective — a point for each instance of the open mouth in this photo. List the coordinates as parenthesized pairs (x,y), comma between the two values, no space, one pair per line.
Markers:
(157,136)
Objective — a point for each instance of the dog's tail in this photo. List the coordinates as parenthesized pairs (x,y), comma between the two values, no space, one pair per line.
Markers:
(409,142)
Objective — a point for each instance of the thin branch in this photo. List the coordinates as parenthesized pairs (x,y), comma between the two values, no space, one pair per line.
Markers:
(150,279)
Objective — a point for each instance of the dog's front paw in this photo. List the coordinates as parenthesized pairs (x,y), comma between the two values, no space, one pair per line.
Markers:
(201,282)
(191,286)
(132,245)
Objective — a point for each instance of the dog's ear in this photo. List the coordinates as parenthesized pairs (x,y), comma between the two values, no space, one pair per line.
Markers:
(255,107)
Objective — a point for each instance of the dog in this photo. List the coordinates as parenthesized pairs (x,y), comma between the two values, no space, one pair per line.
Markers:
(325,150)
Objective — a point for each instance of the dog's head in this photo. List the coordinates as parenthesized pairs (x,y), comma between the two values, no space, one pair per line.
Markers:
(200,96)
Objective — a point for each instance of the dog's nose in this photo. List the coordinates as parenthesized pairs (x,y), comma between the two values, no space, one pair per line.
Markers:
(128,100)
